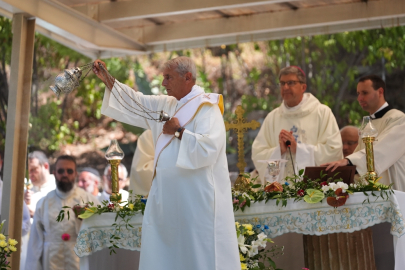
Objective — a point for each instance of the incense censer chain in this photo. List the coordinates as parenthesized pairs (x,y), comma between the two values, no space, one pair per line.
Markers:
(70,79)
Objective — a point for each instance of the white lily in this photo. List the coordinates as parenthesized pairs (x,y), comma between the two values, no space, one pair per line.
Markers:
(241,243)
(254,249)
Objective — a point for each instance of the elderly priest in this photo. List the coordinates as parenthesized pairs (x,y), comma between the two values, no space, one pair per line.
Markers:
(188,221)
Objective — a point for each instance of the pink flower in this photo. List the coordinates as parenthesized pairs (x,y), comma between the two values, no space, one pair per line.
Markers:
(301,192)
(242,204)
(235,201)
(65,237)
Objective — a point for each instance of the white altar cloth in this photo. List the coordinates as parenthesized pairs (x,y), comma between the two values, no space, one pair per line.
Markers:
(299,217)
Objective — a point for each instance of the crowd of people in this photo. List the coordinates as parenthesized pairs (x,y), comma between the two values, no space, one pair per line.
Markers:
(185,157)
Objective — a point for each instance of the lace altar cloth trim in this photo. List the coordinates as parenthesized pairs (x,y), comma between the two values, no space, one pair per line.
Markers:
(96,232)
(299,217)
(320,218)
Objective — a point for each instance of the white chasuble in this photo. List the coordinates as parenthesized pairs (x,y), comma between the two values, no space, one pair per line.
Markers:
(46,249)
(314,128)
(188,221)
(389,150)
(142,164)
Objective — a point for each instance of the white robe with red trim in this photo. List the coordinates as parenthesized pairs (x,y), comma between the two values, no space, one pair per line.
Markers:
(188,221)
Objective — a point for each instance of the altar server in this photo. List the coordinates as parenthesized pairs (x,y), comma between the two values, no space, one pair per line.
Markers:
(188,221)
(389,149)
(142,164)
(51,243)
(302,120)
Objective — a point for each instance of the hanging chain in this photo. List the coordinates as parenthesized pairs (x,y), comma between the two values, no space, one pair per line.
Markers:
(110,80)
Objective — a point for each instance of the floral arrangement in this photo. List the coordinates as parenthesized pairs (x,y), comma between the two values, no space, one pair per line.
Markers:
(6,248)
(252,242)
(301,188)
(125,210)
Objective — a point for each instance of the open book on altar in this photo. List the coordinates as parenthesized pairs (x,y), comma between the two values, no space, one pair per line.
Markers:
(346,173)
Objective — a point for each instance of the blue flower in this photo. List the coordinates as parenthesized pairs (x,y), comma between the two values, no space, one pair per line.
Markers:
(266,227)
(286,183)
(144,200)
(258,226)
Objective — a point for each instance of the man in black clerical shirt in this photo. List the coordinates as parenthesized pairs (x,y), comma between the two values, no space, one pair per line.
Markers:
(389,150)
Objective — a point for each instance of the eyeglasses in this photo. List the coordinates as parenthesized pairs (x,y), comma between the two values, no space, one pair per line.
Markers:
(62,171)
(289,83)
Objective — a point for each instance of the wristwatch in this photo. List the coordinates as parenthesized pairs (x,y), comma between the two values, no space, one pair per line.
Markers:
(178,132)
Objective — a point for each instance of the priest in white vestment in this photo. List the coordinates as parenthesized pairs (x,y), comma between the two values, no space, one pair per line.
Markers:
(389,147)
(188,221)
(51,243)
(302,120)
(142,164)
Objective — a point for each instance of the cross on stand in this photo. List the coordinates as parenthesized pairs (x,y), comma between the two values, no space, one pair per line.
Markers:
(240,126)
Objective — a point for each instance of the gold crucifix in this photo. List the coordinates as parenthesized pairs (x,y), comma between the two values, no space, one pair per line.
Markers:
(240,126)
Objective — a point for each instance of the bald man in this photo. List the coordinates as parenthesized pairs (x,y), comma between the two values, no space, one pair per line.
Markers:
(350,139)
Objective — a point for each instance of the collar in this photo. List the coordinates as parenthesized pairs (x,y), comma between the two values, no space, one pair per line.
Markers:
(195,90)
(64,195)
(381,111)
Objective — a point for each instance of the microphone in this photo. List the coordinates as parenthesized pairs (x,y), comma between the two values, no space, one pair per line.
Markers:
(288,144)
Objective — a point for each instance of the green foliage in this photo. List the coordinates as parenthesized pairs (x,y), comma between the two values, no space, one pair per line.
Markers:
(47,130)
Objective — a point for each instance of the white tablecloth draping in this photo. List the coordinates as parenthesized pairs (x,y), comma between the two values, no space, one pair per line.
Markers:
(320,218)
(299,217)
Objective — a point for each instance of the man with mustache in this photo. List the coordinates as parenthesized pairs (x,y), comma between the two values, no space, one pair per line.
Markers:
(51,243)
(302,120)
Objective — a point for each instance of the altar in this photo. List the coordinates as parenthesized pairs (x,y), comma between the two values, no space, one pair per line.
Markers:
(299,217)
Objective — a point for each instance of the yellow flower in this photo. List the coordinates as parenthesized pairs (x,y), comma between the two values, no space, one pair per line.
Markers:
(2,237)
(3,243)
(6,249)
(12,242)
(241,257)
(250,232)
(248,227)
(13,248)
(237,224)
(243,266)
(131,206)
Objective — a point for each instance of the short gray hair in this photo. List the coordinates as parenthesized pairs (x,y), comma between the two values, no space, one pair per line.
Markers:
(42,159)
(293,70)
(183,65)
(122,166)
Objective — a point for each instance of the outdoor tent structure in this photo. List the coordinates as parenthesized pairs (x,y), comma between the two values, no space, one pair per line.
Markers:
(103,29)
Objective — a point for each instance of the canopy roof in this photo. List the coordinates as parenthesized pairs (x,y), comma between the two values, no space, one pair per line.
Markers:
(102,29)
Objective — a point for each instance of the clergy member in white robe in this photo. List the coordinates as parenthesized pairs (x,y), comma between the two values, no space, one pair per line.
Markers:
(142,164)
(51,243)
(389,147)
(188,221)
(301,119)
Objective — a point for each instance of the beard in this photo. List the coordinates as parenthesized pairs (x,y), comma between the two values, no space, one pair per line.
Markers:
(64,184)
